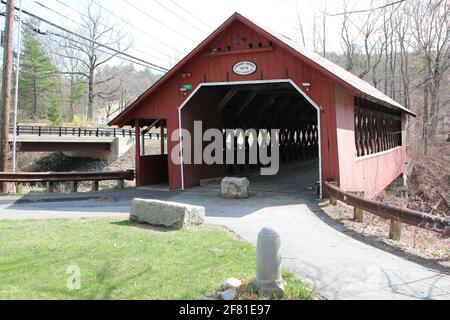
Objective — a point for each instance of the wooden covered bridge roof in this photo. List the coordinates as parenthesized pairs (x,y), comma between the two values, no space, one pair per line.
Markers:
(348,80)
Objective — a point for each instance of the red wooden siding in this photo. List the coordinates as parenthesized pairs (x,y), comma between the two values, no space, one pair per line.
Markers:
(369,174)
(272,63)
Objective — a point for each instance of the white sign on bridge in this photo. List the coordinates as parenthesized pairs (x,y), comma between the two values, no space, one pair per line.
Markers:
(244,68)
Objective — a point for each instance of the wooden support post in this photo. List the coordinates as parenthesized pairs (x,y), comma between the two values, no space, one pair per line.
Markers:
(19,188)
(50,187)
(333,200)
(95,186)
(120,184)
(143,144)
(74,187)
(395,230)
(137,156)
(162,138)
(358,215)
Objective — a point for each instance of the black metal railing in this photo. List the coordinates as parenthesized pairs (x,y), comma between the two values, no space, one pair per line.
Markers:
(80,132)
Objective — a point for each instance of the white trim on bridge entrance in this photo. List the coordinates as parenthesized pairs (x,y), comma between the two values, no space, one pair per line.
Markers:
(234,83)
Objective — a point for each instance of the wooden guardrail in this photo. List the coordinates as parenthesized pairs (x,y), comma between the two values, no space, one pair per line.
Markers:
(75,177)
(80,132)
(395,214)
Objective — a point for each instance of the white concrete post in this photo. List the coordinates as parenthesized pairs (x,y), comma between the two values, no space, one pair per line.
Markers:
(268,262)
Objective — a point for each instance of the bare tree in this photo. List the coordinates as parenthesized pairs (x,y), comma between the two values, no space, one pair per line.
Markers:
(300,27)
(324,29)
(315,34)
(127,84)
(373,46)
(347,43)
(431,21)
(99,32)
(403,24)
(68,60)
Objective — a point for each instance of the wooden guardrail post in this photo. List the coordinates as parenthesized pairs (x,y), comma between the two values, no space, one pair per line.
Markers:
(333,199)
(395,230)
(358,213)
(50,186)
(95,186)
(18,188)
(74,187)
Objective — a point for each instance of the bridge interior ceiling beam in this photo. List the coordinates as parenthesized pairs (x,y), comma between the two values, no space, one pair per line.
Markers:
(150,123)
(262,105)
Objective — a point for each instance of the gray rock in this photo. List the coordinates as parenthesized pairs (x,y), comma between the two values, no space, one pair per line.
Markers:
(235,188)
(166,214)
(229,294)
(232,283)
(268,263)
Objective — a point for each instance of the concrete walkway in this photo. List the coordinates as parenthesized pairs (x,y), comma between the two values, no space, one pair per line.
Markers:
(314,248)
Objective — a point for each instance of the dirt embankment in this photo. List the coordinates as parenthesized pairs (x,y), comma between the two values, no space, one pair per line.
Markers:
(59,162)
(429,184)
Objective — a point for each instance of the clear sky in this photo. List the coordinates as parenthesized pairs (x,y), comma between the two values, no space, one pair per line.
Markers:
(177,32)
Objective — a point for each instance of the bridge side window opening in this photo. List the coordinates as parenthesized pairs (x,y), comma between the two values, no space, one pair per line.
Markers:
(377,128)
(153,140)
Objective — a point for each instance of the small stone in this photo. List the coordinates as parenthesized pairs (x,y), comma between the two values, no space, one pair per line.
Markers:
(235,188)
(229,294)
(232,283)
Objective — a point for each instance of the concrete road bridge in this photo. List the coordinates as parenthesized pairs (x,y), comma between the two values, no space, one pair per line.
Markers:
(99,143)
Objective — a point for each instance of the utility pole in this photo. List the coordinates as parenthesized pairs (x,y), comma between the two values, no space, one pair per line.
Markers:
(6,90)
(16,89)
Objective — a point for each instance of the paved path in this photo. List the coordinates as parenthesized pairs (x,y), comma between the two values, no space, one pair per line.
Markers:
(314,249)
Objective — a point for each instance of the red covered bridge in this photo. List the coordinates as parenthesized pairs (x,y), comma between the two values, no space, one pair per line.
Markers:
(243,76)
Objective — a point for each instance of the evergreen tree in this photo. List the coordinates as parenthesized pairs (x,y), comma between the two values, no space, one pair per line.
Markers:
(54,113)
(37,83)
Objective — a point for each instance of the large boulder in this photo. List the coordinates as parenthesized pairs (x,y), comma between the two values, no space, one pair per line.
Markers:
(166,214)
(235,188)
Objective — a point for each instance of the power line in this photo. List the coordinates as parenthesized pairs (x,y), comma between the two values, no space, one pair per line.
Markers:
(179,16)
(143,63)
(161,23)
(189,13)
(129,24)
(364,10)
(87,28)
(150,65)
(142,31)
(54,11)
(37,30)
(69,7)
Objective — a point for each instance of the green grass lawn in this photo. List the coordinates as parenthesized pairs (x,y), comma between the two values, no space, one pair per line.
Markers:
(117,260)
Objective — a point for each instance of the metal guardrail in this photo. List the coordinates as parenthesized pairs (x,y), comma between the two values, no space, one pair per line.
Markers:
(80,132)
(51,177)
(404,215)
